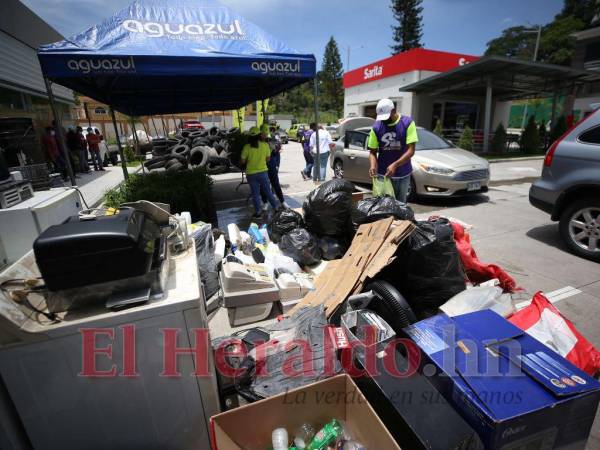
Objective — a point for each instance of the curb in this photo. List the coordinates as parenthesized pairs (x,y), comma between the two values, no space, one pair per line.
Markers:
(522,158)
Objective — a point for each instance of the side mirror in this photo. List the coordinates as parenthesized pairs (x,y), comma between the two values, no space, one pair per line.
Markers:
(347,140)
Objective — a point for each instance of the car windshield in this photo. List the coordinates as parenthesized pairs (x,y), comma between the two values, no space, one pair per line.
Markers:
(430,141)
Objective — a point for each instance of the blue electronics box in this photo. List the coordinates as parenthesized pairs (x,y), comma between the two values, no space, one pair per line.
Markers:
(513,390)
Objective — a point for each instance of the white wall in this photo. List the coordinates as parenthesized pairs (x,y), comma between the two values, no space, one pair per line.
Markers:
(501,113)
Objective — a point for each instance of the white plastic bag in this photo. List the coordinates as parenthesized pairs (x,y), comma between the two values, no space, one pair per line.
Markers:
(477,299)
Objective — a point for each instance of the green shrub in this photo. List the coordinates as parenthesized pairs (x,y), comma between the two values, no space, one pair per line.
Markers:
(530,138)
(466,139)
(438,128)
(129,153)
(188,190)
(558,129)
(499,139)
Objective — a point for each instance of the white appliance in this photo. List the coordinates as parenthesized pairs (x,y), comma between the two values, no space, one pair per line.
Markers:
(21,224)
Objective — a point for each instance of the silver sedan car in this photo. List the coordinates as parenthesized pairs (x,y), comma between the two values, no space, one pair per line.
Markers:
(439,168)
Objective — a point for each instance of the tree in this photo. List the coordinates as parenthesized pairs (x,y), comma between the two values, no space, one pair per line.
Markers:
(584,10)
(530,138)
(330,78)
(499,139)
(543,132)
(466,139)
(409,31)
(514,42)
(558,129)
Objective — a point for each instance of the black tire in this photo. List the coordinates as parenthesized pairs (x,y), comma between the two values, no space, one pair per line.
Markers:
(154,160)
(175,167)
(156,165)
(171,162)
(412,191)
(199,156)
(590,229)
(338,169)
(217,170)
(233,130)
(393,308)
(214,131)
(181,150)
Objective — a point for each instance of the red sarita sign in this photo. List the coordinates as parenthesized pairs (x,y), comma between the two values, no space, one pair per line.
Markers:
(416,59)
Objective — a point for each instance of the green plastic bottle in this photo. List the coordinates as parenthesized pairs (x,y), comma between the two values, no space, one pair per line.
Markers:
(327,434)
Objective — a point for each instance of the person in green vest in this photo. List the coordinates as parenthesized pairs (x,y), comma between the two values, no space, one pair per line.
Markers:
(255,156)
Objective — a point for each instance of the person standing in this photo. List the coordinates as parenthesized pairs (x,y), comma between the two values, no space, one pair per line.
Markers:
(73,145)
(93,142)
(325,144)
(54,154)
(274,142)
(254,158)
(82,147)
(392,145)
(308,157)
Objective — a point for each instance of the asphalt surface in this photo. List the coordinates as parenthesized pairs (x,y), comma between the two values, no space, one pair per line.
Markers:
(506,230)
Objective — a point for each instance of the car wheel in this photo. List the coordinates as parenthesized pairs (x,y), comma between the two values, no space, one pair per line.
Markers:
(412,191)
(580,228)
(338,169)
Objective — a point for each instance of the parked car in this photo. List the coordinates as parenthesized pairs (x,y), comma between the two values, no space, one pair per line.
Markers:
(192,125)
(569,189)
(296,131)
(283,136)
(333,131)
(439,168)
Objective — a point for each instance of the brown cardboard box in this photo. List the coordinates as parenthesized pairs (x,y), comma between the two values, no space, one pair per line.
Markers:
(249,427)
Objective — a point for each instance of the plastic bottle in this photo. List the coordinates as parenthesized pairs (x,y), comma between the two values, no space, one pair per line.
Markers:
(234,235)
(219,249)
(353,445)
(304,435)
(328,433)
(279,438)
(255,233)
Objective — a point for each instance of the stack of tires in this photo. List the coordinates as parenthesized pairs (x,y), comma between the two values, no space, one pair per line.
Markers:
(197,148)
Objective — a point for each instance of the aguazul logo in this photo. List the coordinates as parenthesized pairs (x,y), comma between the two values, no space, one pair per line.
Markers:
(198,31)
(119,65)
(276,67)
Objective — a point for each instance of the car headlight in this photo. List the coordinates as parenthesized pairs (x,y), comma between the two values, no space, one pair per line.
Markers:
(436,170)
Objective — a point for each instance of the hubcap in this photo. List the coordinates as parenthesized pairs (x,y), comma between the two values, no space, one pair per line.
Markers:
(584,229)
(338,170)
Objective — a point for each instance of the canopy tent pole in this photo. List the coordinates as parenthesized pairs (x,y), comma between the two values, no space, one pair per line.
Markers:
(488,115)
(317,166)
(136,140)
(87,114)
(123,163)
(155,130)
(553,113)
(59,132)
(165,130)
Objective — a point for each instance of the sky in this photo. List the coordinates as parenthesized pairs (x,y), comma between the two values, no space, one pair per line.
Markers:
(364,26)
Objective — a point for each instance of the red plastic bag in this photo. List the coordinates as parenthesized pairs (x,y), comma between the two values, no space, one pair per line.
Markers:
(478,272)
(545,323)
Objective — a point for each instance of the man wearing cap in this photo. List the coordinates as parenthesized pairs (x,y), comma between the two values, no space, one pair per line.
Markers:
(392,144)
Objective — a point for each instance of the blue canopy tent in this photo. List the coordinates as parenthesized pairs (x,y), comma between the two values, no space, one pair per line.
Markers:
(172,56)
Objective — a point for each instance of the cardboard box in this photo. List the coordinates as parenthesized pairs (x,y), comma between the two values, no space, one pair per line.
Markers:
(513,390)
(249,427)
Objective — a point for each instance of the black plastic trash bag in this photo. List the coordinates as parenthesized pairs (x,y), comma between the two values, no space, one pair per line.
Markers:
(427,269)
(205,255)
(331,248)
(328,209)
(282,222)
(376,208)
(301,246)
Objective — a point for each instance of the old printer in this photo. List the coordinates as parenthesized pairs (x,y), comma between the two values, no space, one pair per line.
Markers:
(104,256)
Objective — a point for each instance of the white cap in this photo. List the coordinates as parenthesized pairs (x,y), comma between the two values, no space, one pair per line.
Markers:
(384,109)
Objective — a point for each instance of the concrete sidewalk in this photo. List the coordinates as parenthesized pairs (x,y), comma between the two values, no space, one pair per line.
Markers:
(94,184)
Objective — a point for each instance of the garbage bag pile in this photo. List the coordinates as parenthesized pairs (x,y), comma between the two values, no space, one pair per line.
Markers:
(282,222)
(427,269)
(301,246)
(328,210)
(200,148)
(376,208)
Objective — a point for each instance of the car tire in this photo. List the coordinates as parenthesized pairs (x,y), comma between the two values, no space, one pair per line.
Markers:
(338,169)
(175,167)
(588,230)
(412,191)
